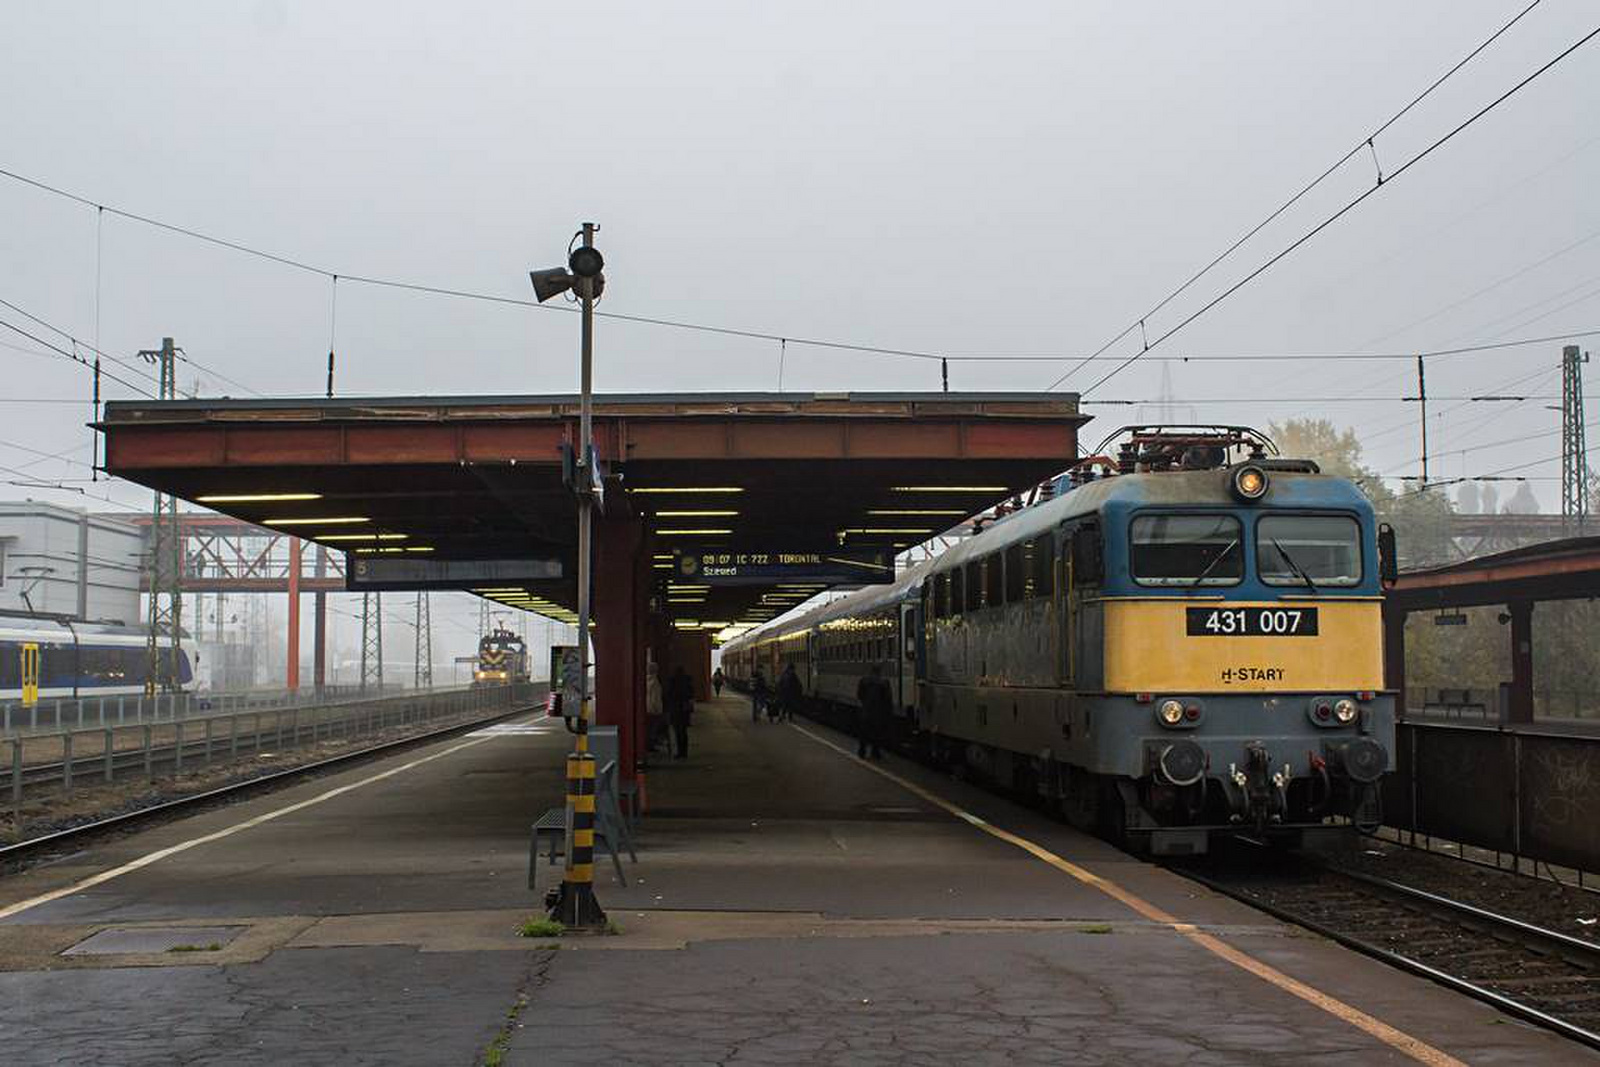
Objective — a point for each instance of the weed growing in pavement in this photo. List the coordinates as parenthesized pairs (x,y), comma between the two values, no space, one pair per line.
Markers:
(214,946)
(540,928)
(613,928)
(1095,928)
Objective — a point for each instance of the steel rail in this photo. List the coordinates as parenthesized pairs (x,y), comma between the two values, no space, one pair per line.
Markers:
(1518,933)
(13,854)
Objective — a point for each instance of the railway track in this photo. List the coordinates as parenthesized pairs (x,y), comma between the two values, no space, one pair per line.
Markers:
(1536,974)
(24,852)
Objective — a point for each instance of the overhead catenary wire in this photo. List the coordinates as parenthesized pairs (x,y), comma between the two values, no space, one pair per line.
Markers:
(1337,215)
(783,339)
(70,338)
(74,357)
(1366,142)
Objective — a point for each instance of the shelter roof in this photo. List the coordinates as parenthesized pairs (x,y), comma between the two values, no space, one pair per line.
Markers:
(475,478)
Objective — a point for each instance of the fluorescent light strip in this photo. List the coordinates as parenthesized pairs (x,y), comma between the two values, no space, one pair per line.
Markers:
(956,512)
(689,489)
(687,533)
(254,498)
(950,489)
(695,514)
(338,520)
(360,537)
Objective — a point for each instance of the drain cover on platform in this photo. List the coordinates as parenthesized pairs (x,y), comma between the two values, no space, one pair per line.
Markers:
(154,939)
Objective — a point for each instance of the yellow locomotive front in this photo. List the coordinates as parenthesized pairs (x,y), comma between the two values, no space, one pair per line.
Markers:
(1238,678)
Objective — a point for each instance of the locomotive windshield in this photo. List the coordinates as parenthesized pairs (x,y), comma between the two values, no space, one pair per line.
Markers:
(1324,549)
(1187,550)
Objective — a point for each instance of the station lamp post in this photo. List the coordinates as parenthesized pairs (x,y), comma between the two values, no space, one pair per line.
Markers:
(575,904)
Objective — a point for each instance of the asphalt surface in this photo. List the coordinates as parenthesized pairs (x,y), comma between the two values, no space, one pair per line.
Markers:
(789,906)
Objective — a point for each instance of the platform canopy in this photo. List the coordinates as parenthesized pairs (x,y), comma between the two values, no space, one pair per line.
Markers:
(1566,569)
(746,503)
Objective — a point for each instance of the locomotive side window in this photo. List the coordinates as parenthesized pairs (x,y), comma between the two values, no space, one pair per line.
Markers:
(994,592)
(941,596)
(1016,573)
(1308,550)
(1184,550)
(1041,567)
(974,583)
(957,591)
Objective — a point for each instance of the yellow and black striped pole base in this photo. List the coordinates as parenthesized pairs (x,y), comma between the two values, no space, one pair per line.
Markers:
(575,906)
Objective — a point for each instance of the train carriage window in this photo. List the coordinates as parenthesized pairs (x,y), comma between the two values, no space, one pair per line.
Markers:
(1041,566)
(10,665)
(1312,550)
(994,586)
(1016,573)
(974,584)
(1185,550)
(957,591)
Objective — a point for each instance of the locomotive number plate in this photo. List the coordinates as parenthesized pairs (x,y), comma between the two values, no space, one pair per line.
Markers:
(1252,622)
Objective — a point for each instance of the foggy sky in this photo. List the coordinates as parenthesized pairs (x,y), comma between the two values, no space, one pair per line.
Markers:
(1026,178)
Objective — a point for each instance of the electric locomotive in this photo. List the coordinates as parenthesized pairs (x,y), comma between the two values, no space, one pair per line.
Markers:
(502,658)
(1182,641)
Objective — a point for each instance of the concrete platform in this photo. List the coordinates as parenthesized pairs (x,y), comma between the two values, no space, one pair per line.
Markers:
(791,905)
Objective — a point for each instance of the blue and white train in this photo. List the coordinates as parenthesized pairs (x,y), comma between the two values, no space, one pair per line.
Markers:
(66,660)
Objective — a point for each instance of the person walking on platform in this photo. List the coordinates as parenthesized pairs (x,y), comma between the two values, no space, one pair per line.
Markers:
(874,706)
(716,682)
(758,695)
(655,711)
(788,693)
(680,707)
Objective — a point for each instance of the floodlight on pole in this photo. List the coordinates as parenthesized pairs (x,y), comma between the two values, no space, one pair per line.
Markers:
(549,283)
(574,903)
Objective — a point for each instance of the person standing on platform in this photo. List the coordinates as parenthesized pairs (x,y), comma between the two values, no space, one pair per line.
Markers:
(788,693)
(716,682)
(655,711)
(758,695)
(874,706)
(680,707)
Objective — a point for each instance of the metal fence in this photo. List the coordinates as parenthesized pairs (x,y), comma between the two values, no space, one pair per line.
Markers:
(1489,705)
(66,759)
(1532,793)
(83,712)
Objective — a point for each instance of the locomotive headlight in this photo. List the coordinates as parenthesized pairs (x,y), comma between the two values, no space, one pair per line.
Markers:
(1345,710)
(1250,483)
(1170,712)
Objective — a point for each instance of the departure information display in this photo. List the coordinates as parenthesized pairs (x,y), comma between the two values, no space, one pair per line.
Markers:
(727,566)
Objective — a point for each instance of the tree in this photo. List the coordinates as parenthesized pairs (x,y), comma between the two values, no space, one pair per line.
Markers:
(1335,452)
(1421,518)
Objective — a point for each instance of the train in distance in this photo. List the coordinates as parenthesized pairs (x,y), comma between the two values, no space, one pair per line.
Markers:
(502,659)
(1179,642)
